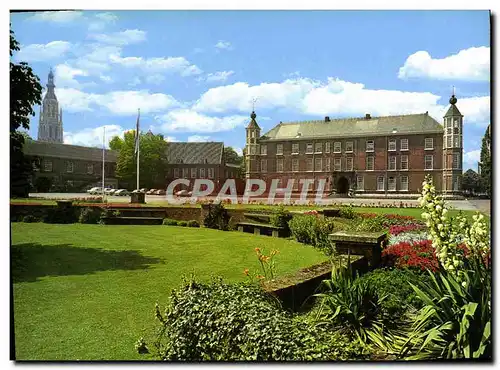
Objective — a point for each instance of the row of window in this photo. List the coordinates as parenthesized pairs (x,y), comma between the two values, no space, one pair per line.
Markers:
(323,164)
(337,147)
(391,183)
(204,173)
(47,167)
(452,141)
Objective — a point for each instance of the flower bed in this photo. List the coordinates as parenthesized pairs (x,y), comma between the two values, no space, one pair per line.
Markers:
(420,255)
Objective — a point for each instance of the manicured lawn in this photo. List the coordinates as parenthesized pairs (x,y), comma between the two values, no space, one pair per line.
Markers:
(88,291)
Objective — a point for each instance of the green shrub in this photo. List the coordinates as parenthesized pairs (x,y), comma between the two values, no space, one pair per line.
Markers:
(371,224)
(300,227)
(29,219)
(347,212)
(238,322)
(89,215)
(182,223)
(170,222)
(280,218)
(394,284)
(313,230)
(57,215)
(193,223)
(217,217)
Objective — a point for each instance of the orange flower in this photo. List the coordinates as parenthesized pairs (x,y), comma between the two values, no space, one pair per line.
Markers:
(257,250)
(246,272)
(260,277)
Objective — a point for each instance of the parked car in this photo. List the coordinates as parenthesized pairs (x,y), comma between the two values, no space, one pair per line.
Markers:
(94,190)
(182,193)
(109,191)
(121,192)
(151,191)
(160,192)
(143,190)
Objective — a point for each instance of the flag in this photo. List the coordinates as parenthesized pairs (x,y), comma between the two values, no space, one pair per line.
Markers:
(137,134)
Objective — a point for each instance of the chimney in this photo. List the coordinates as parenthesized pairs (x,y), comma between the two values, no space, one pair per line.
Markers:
(327,119)
(367,116)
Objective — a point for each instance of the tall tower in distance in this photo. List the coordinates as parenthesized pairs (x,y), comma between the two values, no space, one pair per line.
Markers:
(50,127)
(252,145)
(452,148)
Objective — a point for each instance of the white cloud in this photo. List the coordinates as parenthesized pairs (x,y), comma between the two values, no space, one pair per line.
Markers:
(471,159)
(74,100)
(151,65)
(101,20)
(185,120)
(121,38)
(223,45)
(106,79)
(198,139)
(65,76)
(471,64)
(43,52)
(57,17)
(475,110)
(93,136)
(171,139)
(239,151)
(218,76)
(155,79)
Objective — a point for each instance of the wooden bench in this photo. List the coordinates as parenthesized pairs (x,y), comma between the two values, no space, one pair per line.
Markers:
(330,212)
(365,244)
(258,216)
(257,228)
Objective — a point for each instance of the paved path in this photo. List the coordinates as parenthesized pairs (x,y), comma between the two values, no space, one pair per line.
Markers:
(466,205)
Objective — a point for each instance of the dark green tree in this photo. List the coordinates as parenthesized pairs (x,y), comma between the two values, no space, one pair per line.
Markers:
(25,92)
(471,182)
(152,160)
(230,156)
(485,162)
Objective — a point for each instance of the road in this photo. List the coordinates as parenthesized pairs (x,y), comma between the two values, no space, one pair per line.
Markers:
(466,205)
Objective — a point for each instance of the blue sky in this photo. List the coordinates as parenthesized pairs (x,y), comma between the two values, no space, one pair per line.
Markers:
(194,73)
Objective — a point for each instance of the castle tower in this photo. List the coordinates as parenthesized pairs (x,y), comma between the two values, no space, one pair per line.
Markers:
(452,149)
(252,146)
(50,127)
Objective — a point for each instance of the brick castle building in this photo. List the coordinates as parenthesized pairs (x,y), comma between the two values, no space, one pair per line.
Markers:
(370,155)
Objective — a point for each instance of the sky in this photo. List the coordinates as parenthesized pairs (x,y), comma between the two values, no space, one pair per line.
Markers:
(196,75)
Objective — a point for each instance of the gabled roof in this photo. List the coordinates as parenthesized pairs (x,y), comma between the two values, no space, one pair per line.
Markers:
(66,151)
(352,127)
(253,122)
(453,111)
(195,153)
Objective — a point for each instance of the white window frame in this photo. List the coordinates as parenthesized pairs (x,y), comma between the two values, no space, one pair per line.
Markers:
(373,162)
(402,146)
(90,168)
(362,187)
(425,162)
(176,172)
(403,159)
(370,146)
(378,183)
(309,146)
(393,185)
(280,165)
(456,141)
(202,173)
(185,173)
(320,148)
(392,166)
(263,149)
(279,149)
(320,167)
(348,167)
(431,141)
(327,164)
(337,164)
(347,145)
(70,167)
(295,148)
(210,173)
(457,157)
(449,142)
(309,165)
(47,165)
(337,147)
(295,165)
(194,172)
(327,147)
(252,150)
(401,182)
(392,145)
(263,165)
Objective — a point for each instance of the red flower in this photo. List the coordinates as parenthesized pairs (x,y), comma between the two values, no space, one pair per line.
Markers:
(420,255)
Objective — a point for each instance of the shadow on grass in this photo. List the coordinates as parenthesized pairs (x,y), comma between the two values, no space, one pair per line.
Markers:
(32,261)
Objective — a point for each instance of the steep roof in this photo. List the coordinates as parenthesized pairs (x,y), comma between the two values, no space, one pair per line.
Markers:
(46,149)
(352,127)
(253,122)
(453,111)
(195,153)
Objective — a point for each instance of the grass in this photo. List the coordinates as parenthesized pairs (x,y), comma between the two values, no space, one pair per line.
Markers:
(88,292)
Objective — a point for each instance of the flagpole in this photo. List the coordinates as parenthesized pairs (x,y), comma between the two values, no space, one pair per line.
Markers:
(103,141)
(138,133)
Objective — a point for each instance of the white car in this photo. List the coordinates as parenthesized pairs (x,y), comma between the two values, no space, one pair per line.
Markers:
(109,191)
(121,192)
(93,190)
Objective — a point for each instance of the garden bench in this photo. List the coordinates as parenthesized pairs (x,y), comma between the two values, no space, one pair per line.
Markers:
(257,228)
(366,244)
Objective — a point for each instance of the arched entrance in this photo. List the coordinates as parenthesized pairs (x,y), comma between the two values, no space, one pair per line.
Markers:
(342,185)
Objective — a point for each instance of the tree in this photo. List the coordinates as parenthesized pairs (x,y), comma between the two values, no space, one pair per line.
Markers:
(25,92)
(471,181)
(152,159)
(230,156)
(485,164)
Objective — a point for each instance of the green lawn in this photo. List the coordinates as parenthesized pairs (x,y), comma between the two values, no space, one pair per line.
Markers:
(88,291)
